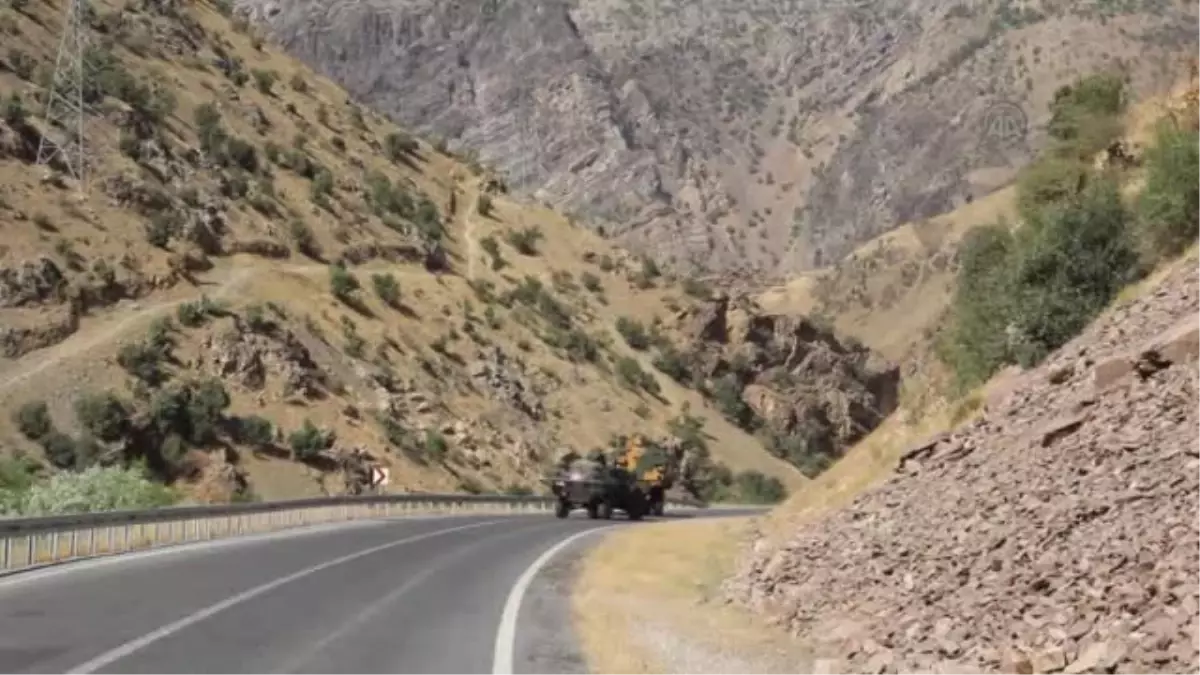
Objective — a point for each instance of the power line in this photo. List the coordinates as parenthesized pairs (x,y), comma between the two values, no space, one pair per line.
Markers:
(64,107)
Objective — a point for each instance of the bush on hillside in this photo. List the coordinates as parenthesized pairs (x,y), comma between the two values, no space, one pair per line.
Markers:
(309,441)
(633,332)
(1021,296)
(976,341)
(95,489)
(755,487)
(33,420)
(1071,262)
(1049,180)
(1169,205)
(342,283)
(103,415)
(1086,116)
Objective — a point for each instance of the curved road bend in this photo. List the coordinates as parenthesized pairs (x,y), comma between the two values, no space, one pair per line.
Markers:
(425,595)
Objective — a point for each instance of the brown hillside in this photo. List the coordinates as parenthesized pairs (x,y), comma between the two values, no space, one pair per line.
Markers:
(226,178)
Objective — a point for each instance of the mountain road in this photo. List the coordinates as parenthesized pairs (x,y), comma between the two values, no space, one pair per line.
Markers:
(437,594)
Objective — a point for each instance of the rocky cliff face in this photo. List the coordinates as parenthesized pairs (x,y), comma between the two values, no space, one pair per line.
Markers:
(727,135)
(1055,533)
(809,395)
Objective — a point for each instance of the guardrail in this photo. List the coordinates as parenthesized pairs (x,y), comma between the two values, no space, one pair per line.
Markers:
(34,542)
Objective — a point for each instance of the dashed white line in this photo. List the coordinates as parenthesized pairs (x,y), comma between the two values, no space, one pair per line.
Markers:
(134,645)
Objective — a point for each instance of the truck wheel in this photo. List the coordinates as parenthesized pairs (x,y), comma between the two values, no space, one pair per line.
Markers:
(593,510)
(562,509)
(636,510)
(606,510)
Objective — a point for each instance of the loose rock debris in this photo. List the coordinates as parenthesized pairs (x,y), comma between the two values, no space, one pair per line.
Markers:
(1058,532)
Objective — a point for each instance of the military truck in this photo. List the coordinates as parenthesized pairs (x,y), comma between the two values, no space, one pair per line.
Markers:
(655,466)
(588,483)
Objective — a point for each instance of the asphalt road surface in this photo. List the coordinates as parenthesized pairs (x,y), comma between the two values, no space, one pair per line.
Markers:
(449,594)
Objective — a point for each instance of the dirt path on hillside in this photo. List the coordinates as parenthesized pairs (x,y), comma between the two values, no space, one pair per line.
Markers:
(105,331)
(110,327)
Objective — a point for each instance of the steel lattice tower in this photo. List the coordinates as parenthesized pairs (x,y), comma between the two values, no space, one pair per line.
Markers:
(64,107)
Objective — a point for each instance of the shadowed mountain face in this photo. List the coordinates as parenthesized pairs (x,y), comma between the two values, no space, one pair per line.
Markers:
(758,134)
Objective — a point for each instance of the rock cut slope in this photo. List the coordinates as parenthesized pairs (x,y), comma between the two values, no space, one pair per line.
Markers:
(1056,532)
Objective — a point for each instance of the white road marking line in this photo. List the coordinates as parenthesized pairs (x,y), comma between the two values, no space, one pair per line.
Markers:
(373,610)
(506,635)
(134,645)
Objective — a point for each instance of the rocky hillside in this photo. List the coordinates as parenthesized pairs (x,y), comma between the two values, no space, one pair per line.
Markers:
(770,135)
(1053,529)
(805,393)
(1055,532)
(260,278)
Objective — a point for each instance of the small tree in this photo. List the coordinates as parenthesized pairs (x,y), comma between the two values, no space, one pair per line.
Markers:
(256,431)
(342,283)
(33,420)
(633,332)
(309,441)
(387,288)
(435,444)
(103,415)
(1169,205)
(264,80)
(398,145)
(525,240)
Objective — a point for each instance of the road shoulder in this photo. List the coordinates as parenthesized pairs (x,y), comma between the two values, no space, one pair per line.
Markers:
(648,601)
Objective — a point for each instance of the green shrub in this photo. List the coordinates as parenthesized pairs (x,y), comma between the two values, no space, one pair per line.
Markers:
(33,420)
(1071,262)
(1169,205)
(103,414)
(631,375)
(60,450)
(144,360)
(309,441)
(398,145)
(634,333)
(976,342)
(674,364)
(591,282)
(96,489)
(435,444)
(1022,297)
(808,448)
(254,430)
(342,283)
(755,487)
(194,411)
(387,288)
(1086,116)
(264,80)
(697,289)
(727,393)
(492,248)
(525,240)
(1049,180)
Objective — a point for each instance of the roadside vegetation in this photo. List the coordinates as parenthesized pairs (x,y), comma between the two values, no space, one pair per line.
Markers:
(1024,291)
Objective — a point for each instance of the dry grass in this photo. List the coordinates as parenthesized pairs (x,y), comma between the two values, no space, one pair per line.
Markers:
(653,590)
